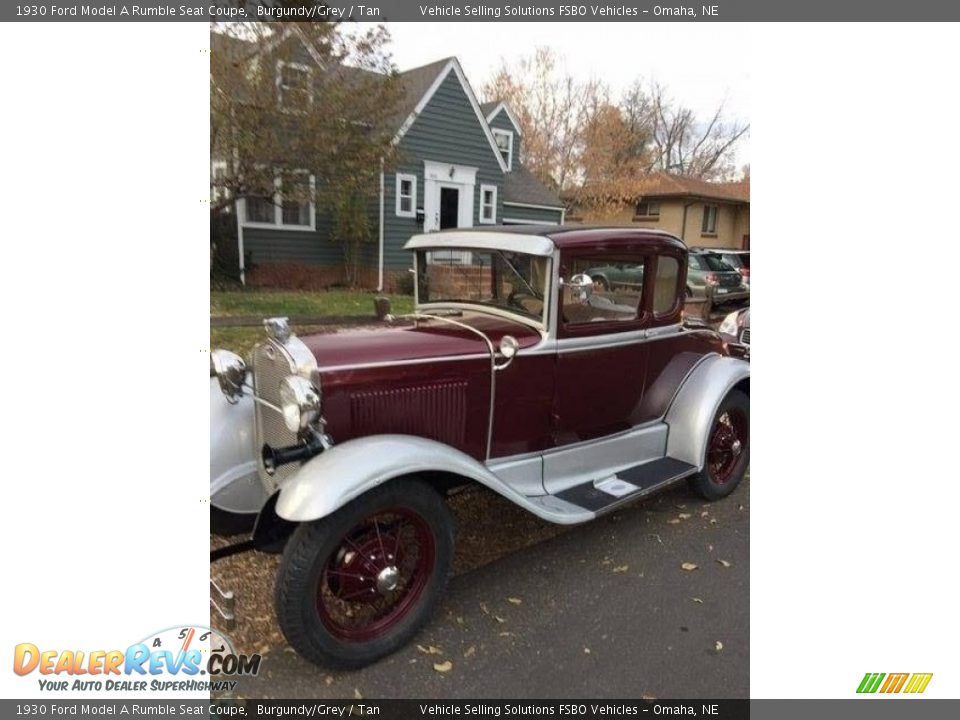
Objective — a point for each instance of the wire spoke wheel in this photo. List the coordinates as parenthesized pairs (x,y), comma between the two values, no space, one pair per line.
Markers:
(357,584)
(728,439)
(727,448)
(376,575)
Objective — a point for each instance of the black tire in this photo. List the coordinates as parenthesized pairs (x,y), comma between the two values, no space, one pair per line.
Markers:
(719,479)
(313,545)
(226,523)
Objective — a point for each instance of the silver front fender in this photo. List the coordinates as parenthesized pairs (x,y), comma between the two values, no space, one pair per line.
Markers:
(234,483)
(691,413)
(346,471)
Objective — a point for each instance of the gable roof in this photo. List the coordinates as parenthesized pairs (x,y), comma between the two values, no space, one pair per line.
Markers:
(522,186)
(495,107)
(415,80)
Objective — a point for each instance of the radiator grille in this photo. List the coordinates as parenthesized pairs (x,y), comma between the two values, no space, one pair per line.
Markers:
(436,411)
(271,364)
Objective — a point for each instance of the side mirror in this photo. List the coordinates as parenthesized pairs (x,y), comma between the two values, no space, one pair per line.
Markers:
(581,286)
(230,370)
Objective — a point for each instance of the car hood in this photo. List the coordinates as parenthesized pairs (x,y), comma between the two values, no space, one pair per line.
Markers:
(434,338)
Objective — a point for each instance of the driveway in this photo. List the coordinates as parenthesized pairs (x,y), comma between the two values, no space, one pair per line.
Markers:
(600,610)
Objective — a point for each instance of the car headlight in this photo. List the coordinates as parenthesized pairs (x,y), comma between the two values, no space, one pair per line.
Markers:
(300,402)
(730,324)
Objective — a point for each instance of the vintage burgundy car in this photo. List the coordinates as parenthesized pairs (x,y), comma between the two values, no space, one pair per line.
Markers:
(516,372)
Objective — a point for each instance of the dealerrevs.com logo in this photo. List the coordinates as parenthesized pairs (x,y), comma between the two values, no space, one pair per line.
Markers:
(179,659)
(894,683)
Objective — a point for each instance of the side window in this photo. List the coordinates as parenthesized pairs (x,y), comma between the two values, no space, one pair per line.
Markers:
(665,288)
(613,295)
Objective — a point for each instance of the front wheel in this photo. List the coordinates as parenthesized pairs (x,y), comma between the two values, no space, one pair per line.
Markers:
(728,449)
(357,585)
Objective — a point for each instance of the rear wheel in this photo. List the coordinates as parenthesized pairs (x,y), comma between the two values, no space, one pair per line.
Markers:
(357,585)
(728,448)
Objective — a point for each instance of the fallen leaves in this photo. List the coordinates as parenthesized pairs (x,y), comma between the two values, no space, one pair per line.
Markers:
(684,516)
(443,667)
(688,566)
(430,650)
(697,600)
(514,601)
(718,647)
(620,569)
(470,651)
(724,563)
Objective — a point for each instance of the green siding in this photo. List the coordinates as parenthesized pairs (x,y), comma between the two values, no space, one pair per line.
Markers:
(274,245)
(447,131)
(526,213)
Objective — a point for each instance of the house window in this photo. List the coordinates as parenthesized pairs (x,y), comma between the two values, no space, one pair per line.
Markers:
(295,211)
(504,140)
(406,195)
(296,207)
(647,209)
(294,86)
(488,204)
(709,225)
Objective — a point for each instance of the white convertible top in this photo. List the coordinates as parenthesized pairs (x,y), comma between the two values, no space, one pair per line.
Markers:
(515,242)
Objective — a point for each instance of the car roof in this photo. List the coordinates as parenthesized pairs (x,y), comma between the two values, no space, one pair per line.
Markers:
(573,236)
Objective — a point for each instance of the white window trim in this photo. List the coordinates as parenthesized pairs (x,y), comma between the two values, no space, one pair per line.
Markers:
(299,66)
(413,195)
(509,134)
(278,223)
(492,220)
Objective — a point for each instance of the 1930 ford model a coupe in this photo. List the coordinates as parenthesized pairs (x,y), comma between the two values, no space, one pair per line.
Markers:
(517,372)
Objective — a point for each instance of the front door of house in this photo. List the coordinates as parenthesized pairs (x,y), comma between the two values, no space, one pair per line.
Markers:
(448,196)
(449,207)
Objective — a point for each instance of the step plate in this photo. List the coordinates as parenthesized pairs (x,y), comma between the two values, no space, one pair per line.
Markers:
(605,493)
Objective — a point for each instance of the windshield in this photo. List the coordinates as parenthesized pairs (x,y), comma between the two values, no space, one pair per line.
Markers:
(493,278)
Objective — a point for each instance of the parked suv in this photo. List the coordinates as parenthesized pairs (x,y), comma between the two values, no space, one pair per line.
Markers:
(739,259)
(518,372)
(710,276)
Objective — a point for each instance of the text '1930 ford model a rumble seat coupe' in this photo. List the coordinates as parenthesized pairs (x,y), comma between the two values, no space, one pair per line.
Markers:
(516,371)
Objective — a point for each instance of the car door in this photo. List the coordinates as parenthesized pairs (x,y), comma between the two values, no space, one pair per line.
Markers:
(601,354)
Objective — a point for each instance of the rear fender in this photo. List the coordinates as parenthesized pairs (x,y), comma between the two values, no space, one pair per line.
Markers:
(691,413)
(344,472)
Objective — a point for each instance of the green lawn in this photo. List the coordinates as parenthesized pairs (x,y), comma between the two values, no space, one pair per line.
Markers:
(289,302)
(269,303)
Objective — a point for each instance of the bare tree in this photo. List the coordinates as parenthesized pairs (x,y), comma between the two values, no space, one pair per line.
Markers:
(553,108)
(288,100)
(682,142)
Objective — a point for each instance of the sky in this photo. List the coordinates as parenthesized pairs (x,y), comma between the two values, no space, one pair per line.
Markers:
(702,64)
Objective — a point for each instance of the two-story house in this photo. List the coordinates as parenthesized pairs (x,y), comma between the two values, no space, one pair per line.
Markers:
(458,165)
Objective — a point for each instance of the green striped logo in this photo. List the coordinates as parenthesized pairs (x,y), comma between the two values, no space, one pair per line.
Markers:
(894,682)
